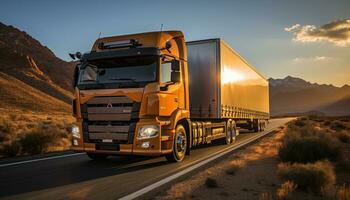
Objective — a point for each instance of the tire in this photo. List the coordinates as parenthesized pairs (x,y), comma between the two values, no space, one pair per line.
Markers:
(256,125)
(234,134)
(228,138)
(262,126)
(95,156)
(179,145)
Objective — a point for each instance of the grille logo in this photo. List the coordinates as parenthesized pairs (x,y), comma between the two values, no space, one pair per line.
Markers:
(109,105)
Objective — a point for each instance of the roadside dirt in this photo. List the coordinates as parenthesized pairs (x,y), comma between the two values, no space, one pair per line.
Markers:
(250,173)
(244,175)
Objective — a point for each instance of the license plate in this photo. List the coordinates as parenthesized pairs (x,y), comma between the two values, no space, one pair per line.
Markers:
(107,140)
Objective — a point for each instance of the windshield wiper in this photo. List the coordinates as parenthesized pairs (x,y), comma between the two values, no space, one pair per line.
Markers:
(88,80)
(123,79)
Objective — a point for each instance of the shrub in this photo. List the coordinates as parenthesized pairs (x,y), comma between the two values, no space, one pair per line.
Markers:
(211,183)
(343,193)
(313,177)
(300,123)
(338,126)
(11,149)
(5,127)
(265,196)
(307,144)
(286,189)
(37,141)
(234,167)
(343,136)
(327,123)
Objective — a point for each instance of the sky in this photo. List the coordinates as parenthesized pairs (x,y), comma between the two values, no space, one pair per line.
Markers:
(309,39)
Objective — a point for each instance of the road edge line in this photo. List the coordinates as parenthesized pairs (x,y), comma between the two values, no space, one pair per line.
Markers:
(39,159)
(205,161)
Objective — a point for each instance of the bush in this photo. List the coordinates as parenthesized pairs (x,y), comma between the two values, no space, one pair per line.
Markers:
(11,149)
(5,127)
(285,191)
(37,141)
(307,144)
(343,193)
(234,167)
(338,126)
(313,177)
(327,123)
(211,183)
(343,136)
(300,123)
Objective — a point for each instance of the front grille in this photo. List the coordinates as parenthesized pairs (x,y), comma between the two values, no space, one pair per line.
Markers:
(112,118)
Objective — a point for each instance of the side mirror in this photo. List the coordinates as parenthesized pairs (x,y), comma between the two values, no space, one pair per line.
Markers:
(175,65)
(175,76)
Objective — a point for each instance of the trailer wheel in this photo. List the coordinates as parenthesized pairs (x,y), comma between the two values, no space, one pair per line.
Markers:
(234,134)
(256,125)
(179,146)
(228,138)
(95,156)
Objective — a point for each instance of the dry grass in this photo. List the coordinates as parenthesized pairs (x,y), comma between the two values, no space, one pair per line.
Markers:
(314,177)
(308,142)
(265,196)
(27,133)
(234,166)
(343,193)
(343,136)
(211,183)
(285,190)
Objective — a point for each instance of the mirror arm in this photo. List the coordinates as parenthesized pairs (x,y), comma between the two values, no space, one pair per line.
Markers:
(166,86)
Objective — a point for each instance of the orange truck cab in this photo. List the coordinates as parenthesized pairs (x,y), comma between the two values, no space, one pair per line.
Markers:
(132,97)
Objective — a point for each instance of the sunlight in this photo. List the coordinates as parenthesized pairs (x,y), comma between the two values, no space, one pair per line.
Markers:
(230,75)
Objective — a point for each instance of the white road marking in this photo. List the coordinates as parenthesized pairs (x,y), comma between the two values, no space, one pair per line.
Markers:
(40,159)
(193,167)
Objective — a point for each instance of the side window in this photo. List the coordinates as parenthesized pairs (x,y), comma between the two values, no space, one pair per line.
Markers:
(89,74)
(165,71)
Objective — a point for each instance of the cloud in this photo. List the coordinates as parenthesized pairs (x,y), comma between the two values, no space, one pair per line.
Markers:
(336,32)
(312,59)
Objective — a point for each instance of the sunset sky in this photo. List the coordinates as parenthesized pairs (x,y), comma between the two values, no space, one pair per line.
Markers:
(306,39)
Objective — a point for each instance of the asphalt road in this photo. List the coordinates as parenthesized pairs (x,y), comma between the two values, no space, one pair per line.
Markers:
(78,177)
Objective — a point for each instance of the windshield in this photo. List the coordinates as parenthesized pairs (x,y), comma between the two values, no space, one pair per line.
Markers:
(118,72)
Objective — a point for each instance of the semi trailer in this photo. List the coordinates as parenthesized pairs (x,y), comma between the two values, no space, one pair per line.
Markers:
(153,94)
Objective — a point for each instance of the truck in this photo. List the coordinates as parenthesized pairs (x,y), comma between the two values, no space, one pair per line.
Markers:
(153,94)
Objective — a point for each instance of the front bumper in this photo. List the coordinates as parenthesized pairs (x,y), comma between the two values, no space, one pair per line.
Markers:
(160,145)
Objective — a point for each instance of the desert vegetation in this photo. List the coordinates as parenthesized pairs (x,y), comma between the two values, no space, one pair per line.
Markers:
(306,159)
(311,149)
(26,133)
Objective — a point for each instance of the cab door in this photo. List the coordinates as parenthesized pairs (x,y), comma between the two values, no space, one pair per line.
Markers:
(170,86)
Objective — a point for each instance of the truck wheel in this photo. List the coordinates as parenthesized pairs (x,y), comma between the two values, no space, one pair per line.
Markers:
(228,138)
(256,125)
(179,146)
(95,156)
(234,134)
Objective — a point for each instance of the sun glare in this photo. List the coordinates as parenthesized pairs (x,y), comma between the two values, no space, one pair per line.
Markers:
(230,76)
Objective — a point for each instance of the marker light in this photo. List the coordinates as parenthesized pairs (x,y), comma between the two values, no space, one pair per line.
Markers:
(75,131)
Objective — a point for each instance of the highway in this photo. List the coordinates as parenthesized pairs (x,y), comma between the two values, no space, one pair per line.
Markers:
(77,177)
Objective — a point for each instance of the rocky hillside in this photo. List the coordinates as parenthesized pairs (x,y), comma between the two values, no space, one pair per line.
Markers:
(23,60)
(294,95)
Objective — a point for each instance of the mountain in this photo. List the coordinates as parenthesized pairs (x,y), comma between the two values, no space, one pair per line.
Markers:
(25,61)
(340,107)
(294,95)
(16,95)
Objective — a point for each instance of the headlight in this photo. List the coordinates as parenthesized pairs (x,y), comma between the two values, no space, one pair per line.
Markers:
(75,131)
(148,131)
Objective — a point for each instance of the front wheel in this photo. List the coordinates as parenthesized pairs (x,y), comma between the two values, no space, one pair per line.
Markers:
(179,145)
(95,156)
